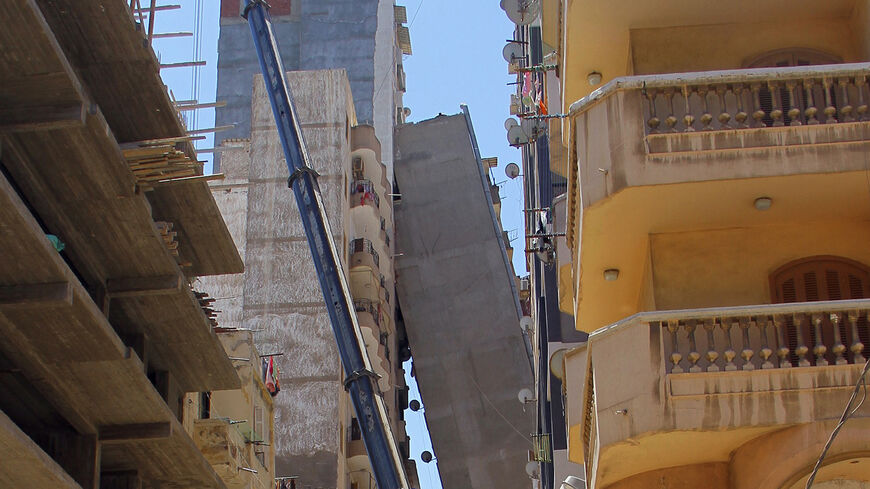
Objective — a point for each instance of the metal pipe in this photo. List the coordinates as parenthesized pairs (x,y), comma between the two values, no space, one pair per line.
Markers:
(360,383)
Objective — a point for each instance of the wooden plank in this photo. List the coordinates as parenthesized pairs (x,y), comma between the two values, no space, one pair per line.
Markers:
(128,433)
(139,286)
(36,295)
(19,119)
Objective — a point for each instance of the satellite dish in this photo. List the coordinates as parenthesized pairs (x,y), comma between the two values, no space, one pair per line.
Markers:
(525,321)
(512,170)
(532,469)
(512,52)
(557,365)
(414,405)
(426,456)
(509,123)
(525,395)
(517,136)
(521,12)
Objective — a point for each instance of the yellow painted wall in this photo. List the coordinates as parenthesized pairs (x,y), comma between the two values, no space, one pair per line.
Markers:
(729,46)
(730,267)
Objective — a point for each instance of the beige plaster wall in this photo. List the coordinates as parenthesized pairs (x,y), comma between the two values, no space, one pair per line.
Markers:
(708,476)
(729,46)
(730,267)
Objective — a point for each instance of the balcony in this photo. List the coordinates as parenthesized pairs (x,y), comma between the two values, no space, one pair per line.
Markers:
(363,254)
(363,193)
(712,386)
(685,127)
(224,448)
(678,153)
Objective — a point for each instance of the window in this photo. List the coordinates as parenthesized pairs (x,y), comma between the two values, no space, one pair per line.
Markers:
(820,278)
(355,431)
(784,58)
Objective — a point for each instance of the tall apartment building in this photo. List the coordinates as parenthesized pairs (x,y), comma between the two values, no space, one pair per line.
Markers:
(717,219)
(279,292)
(316,438)
(365,37)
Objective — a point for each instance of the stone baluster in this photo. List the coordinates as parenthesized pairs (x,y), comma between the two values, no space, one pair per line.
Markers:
(694,356)
(675,355)
(819,349)
(775,105)
(670,120)
(726,324)
(857,347)
(712,354)
(724,117)
(741,114)
(688,119)
(653,121)
(846,108)
(782,349)
(794,113)
(746,352)
(706,116)
(801,349)
(861,110)
(811,109)
(830,111)
(839,348)
(763,323)
(758,112)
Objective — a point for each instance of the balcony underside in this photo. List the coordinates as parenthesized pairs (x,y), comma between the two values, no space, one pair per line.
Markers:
(670,233)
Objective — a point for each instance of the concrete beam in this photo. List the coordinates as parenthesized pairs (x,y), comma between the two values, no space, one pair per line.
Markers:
(36,295)
(129,433)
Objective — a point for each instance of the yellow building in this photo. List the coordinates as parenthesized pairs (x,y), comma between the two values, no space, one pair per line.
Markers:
(717,227)
(234,429)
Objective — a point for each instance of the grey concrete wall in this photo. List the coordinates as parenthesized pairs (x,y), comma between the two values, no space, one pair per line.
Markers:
(320,34)
(278,296)
(460,310)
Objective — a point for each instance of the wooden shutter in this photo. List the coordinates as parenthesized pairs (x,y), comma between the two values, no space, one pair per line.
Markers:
(819,278)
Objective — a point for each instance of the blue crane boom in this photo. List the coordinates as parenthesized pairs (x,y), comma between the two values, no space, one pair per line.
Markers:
(385,461)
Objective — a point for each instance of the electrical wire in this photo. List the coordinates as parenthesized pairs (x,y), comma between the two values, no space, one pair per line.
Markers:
(497,411)
(847,413)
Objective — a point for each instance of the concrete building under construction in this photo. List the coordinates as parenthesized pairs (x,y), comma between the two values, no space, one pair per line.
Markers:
(108,353)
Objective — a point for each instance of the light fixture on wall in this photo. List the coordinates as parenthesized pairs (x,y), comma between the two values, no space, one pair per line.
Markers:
(593,78)
(763,203)
(611,274)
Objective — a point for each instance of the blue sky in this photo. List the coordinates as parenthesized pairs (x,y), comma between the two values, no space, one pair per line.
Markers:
(457,59)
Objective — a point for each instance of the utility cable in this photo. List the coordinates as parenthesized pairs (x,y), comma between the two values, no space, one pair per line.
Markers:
(847,413)
(497,411)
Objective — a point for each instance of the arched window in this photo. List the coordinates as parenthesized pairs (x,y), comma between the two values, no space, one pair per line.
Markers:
(792,57)
(783,58)
(821,278)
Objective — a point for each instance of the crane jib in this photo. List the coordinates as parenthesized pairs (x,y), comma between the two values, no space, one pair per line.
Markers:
(360,383)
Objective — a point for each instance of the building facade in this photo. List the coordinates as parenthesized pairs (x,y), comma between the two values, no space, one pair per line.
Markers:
(316,438)
(716,210)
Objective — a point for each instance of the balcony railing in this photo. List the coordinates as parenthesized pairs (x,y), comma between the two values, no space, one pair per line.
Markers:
(363,245)
(749,98)
(363,193)
(766,337)
(366,305)
(746,370)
